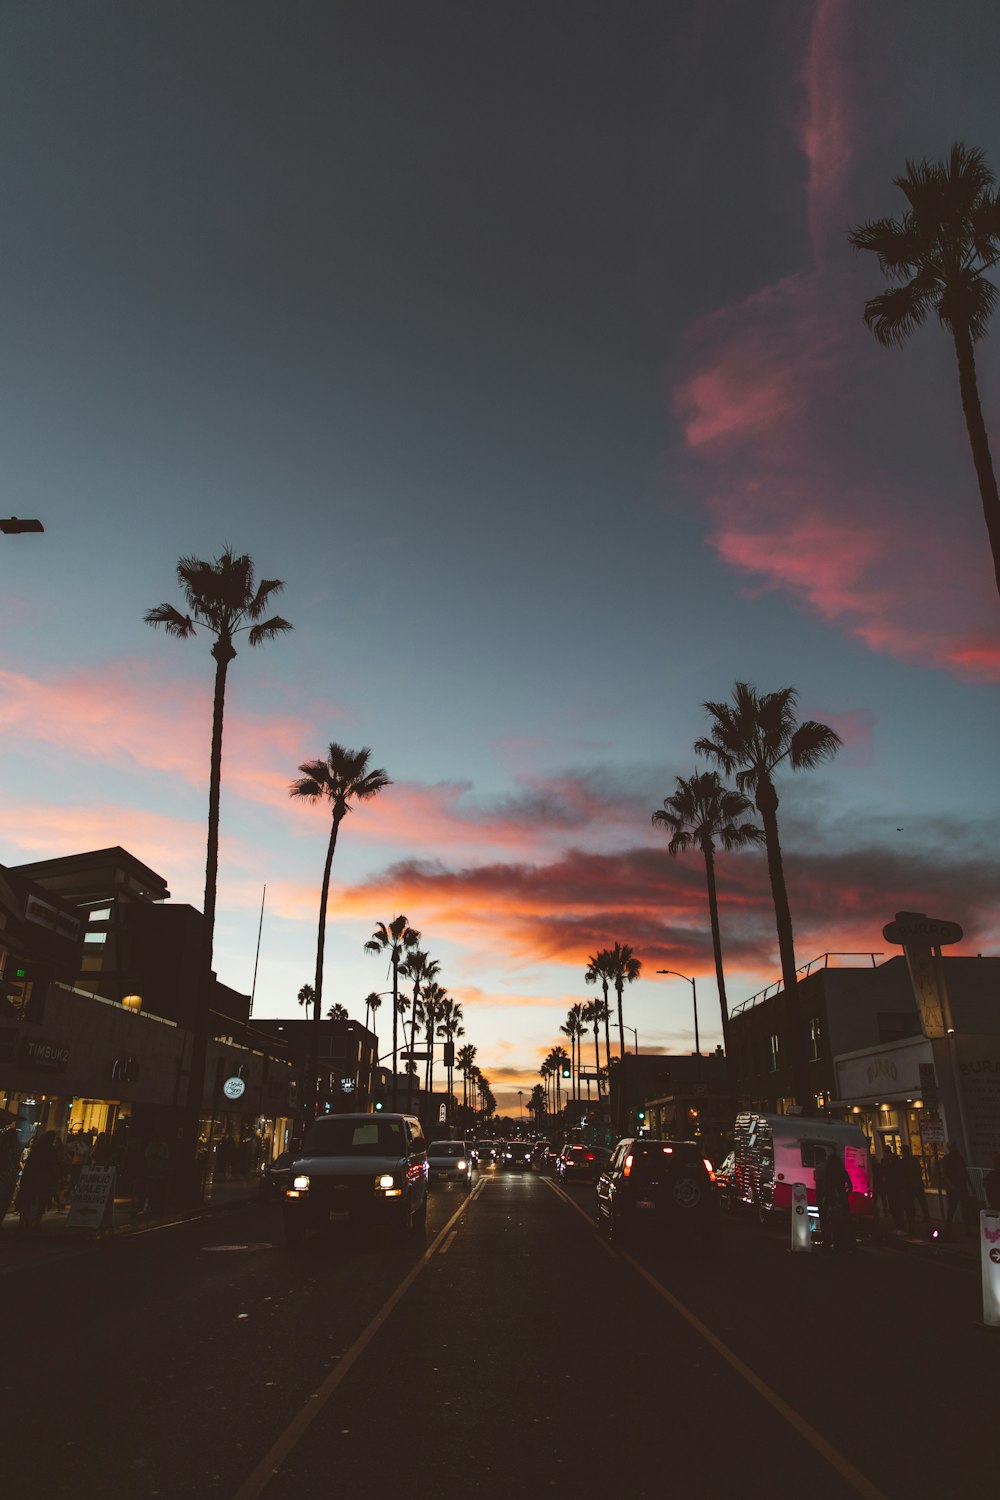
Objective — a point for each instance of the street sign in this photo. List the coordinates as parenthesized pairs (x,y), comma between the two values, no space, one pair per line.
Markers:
(93,1199)
(931,1128)
(409,1056)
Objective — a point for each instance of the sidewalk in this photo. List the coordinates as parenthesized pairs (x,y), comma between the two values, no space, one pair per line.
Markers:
(950,1247)
(128,1216)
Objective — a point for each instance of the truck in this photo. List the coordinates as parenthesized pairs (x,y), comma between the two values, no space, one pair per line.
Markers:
(771,1152)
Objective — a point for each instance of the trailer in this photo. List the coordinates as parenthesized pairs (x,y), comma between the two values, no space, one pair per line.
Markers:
(772,1152)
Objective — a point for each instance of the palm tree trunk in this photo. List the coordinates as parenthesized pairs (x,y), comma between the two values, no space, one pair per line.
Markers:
(309,1090)
(978,441)
(597,1056)
(713,916)
(188,1184)
(767,806)
(395,1023)
(619,985)
(413,1043)
(607,1030)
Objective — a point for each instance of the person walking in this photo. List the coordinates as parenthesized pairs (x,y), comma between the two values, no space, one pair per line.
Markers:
(915,1196)
(38,1179)
(897,1189)
(837,1184)
(10,1166)
(957,1186)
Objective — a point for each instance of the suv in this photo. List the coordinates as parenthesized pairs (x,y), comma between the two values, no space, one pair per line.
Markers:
(358,1170)
(663,1187)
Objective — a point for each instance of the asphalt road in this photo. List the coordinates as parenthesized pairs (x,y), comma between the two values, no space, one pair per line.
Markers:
(511,1352)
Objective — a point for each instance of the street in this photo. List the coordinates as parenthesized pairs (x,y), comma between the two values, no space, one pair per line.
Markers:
(509,1351)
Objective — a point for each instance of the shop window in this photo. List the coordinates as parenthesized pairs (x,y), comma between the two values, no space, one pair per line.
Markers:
(95,937)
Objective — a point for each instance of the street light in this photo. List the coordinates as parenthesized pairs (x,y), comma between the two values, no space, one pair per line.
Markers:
(520,1108)
(636,1035)
(694,997)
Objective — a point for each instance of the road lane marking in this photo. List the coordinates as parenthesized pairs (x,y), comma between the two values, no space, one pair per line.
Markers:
(448,1242)
(275,1456)
(852,1476)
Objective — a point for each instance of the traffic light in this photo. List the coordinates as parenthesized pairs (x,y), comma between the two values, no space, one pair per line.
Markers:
(565,1068)
(641,1116)
(378,1106)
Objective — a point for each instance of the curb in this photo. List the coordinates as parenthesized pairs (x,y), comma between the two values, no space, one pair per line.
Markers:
(139,1223)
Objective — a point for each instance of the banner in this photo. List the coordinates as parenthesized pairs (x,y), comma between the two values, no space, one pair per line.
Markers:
(989,1239)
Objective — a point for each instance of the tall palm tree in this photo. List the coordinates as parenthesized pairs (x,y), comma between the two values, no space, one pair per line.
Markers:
(421,969)
(624,968)
(465,1057)
(225,598)
(594,1012)
(306,995)
(753,736)
(536,1104)
(700,811)
(342,779)
(937,254)
(398,937)
(449,1029)
(545,1073)
(337,1012)
(573,1028)
(598,971)
(433,998)
(373,1003)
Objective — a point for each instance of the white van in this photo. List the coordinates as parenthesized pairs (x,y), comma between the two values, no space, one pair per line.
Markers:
(771,1152)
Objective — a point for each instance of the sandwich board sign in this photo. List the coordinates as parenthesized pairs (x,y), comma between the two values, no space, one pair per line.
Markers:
(94,1199)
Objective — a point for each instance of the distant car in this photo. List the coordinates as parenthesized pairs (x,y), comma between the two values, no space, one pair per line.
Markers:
(541,1155)
(274,1175)
(577,1163)
(663,1189)
(516,1156)
(358,1170)
(484,1153)
(448,1163)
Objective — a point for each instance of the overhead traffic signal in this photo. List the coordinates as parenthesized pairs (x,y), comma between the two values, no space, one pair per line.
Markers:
(565,1068)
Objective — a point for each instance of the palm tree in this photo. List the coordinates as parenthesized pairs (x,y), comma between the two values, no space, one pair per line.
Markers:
(449,1028)
(373,1003)
(699,812)
(397,937)
(306,995)
(599,971)
(421,968)
(337,1012)
(341,779)
(432,1000)
(465,1058)
(594,1012)
(937,254)
(224,597)
(752,736)
(573,1028)
(623,967)
(545,1073)
(536,1104)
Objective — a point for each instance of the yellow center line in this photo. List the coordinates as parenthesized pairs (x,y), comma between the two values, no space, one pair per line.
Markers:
(275,1456)
(852,1476)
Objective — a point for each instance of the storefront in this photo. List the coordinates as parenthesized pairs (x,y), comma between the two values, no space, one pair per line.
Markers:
(880,1089)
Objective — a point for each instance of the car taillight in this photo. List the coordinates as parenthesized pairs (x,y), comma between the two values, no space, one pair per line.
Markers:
(589,1156)
(627,1168)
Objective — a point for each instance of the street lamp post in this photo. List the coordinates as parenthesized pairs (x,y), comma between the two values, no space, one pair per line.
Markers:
(520,1109)
(636,1035)
(694,997)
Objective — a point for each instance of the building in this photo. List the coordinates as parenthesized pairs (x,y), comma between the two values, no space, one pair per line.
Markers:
(349,1076)
(676,1097)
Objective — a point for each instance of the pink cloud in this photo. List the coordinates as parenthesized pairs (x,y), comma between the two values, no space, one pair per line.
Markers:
(827,129)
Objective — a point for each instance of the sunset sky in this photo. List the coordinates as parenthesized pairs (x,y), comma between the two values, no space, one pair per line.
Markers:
(524,343)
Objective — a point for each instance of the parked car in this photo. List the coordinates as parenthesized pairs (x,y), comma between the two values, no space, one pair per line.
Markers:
(448,1164)
(663,1189)
(577,1163)
(358,1170)
(516,1156)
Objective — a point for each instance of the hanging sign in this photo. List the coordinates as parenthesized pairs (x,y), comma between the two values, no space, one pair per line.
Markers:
(989,1239)
(93,1199)
(234,1088)
(801,1232)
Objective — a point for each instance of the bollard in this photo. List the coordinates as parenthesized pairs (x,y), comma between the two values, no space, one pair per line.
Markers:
(801,1233)
(989,1241)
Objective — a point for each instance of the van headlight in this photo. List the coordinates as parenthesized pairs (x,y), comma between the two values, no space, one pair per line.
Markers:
(463,1166)
(386,1180)
(299,1185)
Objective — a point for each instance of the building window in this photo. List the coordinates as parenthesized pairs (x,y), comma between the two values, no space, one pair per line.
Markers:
(775,1061)
(95,937)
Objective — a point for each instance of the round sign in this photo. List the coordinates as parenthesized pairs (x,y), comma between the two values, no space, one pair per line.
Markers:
(234,1088)
(913,927)
(995,1257)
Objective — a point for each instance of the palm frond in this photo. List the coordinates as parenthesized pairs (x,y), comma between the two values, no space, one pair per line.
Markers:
(896,313)
(171,619)
(812,743)
(268,630)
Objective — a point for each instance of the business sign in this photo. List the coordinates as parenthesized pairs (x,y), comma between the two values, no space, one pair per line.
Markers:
(42,1057)
(919,937)
(979,1081)
(931,1127)
(234,1088)
(93,1199)
(989,1240)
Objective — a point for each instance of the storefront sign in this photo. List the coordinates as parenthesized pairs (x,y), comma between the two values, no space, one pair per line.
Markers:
(234,1088)
(989,1239)
(125,1070)
(979,1080)
(801,1233)
(883,1072)
(919,936)
(94,1199)
(931,1127)
(43,1057)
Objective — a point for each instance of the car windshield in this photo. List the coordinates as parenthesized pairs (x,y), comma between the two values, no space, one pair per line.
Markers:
(346,1137)
(446,1148)
(484,1145)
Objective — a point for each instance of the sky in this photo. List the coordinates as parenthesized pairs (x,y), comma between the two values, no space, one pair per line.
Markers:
(524,344)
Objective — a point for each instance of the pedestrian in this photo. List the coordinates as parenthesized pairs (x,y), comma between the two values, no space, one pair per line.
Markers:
(60,1181)
(916,1198)
(838,1189)
(957,1186)
(991,1183)
(881,1183)
(823,1204)
(38,1178)
(10,1166)
(898,1190)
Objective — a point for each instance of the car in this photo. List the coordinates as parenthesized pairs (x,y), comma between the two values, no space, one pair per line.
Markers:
(358,1170)
(484,1153)
(577,1163)
(448,1163)
(541,1155)
(274,1176)
(516,1156)
(662,1189)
